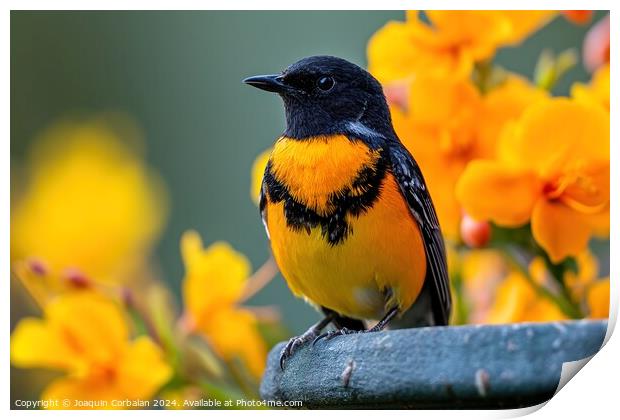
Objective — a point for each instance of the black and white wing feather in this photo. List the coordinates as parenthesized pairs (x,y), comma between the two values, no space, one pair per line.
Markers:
(411,182)
(262,206)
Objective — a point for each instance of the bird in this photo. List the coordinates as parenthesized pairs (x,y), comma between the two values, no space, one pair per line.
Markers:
(348,214)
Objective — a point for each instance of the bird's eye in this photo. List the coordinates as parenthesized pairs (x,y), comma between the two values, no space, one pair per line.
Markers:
(325,83)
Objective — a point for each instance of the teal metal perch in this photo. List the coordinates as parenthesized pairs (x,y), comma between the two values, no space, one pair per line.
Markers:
(499,366)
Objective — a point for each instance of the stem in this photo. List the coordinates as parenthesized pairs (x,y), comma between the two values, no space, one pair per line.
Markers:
(484,71)
(461,315)
(129,301)
(558,271)
(265,313)
(564,304)
(34,291)
(260,279)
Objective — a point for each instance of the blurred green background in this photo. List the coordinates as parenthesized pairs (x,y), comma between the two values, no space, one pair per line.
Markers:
(178,74)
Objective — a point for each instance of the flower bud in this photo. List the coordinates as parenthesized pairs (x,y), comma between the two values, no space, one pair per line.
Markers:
(596,45)
(76,278)
(128,298)
(396,94)
(578,17)
(474,233)
(38,267)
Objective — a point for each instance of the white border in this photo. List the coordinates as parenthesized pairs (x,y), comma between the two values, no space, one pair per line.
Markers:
(592,394)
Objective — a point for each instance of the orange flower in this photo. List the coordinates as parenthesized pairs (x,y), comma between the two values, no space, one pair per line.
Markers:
(214,285)
(439,129)
(450,45)
(85,335)
(447,124)
(597,91)
(553,170)
(598,299)
(505,103)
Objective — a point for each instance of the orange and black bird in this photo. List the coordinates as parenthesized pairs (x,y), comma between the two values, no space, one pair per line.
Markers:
(351,222)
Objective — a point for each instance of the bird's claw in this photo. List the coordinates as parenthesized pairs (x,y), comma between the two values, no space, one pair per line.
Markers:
(331,334)
(295,343)
(289,349)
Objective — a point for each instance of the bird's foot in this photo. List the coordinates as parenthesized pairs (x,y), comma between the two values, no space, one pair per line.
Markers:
(296,342)
(331,334)
(345,331)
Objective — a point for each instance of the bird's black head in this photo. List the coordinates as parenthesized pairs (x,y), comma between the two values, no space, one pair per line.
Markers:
(328,95)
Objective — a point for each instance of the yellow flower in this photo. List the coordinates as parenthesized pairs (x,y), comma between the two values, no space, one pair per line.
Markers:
(450,45)
(447,123)
(517,301)
(587,273)
(553,169)
(258,170)
(598,299)
(88,202)
(482,270)
(597,91)
(86,336)
(214,284)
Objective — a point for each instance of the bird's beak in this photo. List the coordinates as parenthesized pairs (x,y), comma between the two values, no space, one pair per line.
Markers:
(270,83)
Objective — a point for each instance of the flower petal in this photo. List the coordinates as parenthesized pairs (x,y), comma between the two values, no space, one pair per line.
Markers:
(80,329)
(600,223)
(525,22)
(35,344)
(83,390)
(560,230)
(233,333)
(480,31)
(142,370)
(598,299)
(454,103)
(402,51)
(597,91)
(558,133)
(441,170)
(590,192)
(490,191)
(511,298)
(90,202)
(587,273)
(214,276)
(503,104)
(92,325)
(517,301)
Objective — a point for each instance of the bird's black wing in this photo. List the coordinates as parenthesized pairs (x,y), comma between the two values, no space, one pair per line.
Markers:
(412,185)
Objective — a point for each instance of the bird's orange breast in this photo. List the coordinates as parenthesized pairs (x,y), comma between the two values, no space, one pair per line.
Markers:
(380,262)
(314,169)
